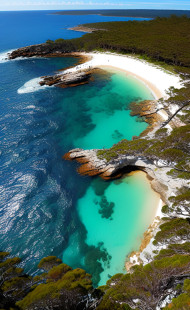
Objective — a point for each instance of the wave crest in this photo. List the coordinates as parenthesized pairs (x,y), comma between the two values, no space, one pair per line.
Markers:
(31,86)
(4,56)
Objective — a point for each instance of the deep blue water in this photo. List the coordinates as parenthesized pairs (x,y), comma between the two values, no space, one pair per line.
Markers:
(38,190)
(33,27)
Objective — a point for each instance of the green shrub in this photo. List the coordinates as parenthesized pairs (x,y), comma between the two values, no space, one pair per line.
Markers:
(57,272)
(165,209)
(48,262)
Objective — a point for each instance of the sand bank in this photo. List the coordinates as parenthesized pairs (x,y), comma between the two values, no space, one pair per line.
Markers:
(155,78)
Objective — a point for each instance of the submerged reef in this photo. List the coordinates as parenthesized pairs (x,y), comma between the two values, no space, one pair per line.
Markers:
(66,79)
(106,208)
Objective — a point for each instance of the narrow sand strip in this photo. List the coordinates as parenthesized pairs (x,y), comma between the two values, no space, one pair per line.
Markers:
(154,77)
(155,201)
(154,197)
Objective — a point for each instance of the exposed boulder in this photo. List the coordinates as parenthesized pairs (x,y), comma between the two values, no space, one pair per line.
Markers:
(66,79)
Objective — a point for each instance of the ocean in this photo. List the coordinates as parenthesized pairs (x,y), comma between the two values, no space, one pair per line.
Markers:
(46,208)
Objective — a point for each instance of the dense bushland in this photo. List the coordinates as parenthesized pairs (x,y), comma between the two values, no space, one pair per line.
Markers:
(61,287)
(162,39)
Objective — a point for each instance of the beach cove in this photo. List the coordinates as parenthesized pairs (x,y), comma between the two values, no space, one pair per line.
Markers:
(64,119)
(140,79)
(158,81)
(68,118)
(153,77)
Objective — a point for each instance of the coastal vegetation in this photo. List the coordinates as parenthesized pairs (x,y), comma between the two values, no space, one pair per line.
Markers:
(168,148)
(146,286)
(58,286)
(161,39)
(61,287)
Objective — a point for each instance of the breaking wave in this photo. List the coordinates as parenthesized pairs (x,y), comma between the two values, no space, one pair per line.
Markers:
(31,86)
(4,56)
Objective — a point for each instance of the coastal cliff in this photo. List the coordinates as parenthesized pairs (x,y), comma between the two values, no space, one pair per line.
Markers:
(93,163)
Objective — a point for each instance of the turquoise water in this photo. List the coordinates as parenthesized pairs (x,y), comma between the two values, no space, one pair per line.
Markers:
(119,231)
(116,228)
(106,105)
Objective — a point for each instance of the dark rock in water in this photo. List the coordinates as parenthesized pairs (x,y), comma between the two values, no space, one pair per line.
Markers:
(53,50)
(66,79)
(39,50)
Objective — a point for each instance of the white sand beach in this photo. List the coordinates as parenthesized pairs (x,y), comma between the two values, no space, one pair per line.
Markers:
(154,77)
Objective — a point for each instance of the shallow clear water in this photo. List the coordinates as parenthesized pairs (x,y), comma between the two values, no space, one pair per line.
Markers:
(117,231)
(108,109)
(45,206)
(106,119)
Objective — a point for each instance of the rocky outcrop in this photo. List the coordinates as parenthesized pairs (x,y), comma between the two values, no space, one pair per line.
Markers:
(92,165)
(39,50)
(148,110)
(66,79)
(63,79)
(83,28)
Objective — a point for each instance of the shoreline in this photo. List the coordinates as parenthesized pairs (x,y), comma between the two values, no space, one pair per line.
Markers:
(82,29)
(158,81)
(153,89)
(134,257)
(153,77)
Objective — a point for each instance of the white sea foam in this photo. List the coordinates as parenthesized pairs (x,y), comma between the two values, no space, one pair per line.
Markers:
(31,86)
(31,107)
(4,56)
